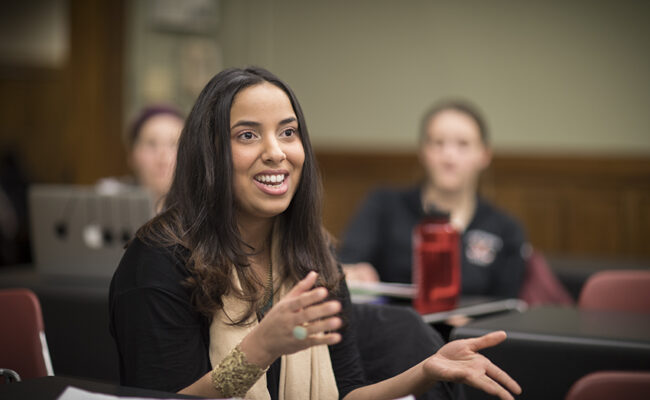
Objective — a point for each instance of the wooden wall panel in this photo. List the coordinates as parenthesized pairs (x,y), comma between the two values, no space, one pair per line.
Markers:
(32,120)
(570,206)
(595,221)
(348,177)
(64,124)
(641,238)
(96,80)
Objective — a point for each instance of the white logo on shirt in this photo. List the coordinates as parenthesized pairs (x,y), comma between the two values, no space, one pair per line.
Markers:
(482,247)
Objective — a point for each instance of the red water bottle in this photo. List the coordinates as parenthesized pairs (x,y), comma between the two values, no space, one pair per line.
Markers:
(436,264)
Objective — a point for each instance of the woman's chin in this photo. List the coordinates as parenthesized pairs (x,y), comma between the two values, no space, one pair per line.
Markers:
(269,211)
(448,186)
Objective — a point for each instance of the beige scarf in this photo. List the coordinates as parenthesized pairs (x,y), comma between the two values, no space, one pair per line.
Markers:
(306,374)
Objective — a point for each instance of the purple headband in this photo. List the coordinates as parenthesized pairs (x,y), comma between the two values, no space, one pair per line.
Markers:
(145,115)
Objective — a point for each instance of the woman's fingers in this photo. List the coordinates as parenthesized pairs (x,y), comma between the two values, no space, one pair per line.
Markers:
(495,378)
(307,299)
(503,378)
(323,325)
(320,311)
(489,386)
(326,339)
(485,341)
(304,285)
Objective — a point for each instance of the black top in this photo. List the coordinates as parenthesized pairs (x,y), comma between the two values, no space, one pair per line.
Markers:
(163,343)
(492,263)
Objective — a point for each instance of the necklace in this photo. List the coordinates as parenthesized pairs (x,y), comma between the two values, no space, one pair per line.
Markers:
(267,300)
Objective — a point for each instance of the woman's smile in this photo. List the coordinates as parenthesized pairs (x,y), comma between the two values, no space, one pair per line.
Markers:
(273,183)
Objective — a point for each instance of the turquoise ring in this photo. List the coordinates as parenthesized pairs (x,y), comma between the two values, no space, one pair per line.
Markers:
(300,332)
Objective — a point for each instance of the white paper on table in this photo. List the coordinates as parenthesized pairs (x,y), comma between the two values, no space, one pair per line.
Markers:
(73,393)
(400,290)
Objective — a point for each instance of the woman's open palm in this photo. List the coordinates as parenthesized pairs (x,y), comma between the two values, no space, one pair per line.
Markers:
(459,361)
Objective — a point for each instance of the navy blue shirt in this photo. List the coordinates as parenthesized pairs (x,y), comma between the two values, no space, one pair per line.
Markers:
(492,245)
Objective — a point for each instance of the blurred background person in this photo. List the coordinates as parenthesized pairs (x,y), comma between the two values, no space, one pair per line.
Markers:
(151,141)
(454,150)
(14,232)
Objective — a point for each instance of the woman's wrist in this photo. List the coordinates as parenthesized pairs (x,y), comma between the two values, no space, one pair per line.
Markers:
(235,375)
(424,376)
(254,349)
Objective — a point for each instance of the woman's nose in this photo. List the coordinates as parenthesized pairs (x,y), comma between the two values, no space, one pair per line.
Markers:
(448,150)
(273,151)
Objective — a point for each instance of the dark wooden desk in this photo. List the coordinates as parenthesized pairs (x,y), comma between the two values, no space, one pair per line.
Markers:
(51,387)
(549,348)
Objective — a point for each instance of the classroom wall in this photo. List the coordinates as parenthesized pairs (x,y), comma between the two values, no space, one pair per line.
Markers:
(61,102)
(563,85)
(552,77)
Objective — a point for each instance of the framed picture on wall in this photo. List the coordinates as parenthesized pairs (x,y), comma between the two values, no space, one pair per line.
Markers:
(188,16)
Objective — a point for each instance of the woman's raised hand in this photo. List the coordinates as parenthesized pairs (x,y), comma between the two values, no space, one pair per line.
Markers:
(459,361)
(302,307)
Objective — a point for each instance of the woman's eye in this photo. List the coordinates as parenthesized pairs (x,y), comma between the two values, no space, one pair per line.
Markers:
(247,135)
(289,132)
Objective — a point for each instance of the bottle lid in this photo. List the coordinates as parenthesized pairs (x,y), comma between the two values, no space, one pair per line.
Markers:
(435,214)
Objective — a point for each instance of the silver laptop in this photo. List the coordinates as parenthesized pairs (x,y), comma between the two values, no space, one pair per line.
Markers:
(76,230)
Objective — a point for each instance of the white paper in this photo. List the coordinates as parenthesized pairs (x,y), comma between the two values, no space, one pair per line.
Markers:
(73,393)
(402,290)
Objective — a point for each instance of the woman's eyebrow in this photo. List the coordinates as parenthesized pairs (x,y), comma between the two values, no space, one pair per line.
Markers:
(245,123)
(287,121)
(257,124)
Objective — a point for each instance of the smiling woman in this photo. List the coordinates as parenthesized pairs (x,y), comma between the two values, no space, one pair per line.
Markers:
(233,290)
(267,151)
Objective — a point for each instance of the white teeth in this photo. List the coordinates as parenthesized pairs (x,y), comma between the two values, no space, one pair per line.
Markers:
(270,179)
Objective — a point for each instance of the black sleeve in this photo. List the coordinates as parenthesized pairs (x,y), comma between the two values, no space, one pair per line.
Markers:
(509,276)
(361,239)
(162,342)
(346,361)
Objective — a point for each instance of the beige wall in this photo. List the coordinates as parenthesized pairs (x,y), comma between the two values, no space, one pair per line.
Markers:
(169,61)
(552,77)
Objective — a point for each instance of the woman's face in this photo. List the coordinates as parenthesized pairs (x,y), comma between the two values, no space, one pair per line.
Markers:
(153,156)
(267,152)
(453,152)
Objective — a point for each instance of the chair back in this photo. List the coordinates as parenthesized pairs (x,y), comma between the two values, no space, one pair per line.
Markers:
(607,385)
(23,347)
(541,286)
(614,290)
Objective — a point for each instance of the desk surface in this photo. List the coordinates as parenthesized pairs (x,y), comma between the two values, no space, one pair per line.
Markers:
(51,387)
(566,324)
(549,348)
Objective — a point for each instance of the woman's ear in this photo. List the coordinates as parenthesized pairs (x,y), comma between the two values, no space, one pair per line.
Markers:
(486,158)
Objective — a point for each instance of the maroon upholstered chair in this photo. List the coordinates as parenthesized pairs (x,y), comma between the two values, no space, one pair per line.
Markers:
(607,385)
(613,290)
(541,286)
(23,347)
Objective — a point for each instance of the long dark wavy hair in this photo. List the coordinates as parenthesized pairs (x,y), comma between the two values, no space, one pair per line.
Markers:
(199,212)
